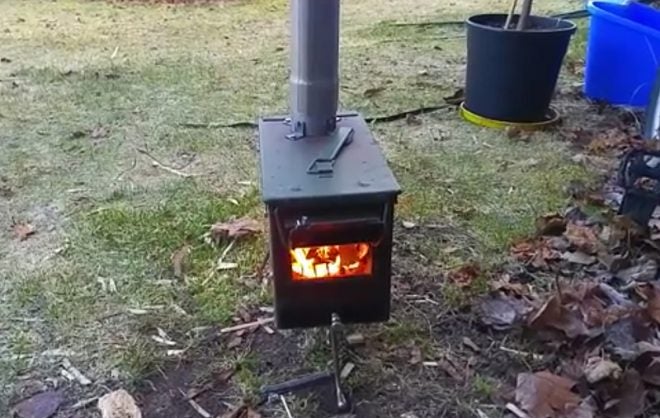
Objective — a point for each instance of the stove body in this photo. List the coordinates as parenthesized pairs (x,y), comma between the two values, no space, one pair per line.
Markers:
(328,190)
(349,210)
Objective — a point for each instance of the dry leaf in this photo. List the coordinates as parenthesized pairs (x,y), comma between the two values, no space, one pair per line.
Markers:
(555,316)
(546,395)
(644,272)
(464,275)
(578,257)
(502,312)
(237,228)
(179,260)
(628,399)
(234,342)
(537,253)
(550,224)
(505,285)
(23,230)
(610,139)
(598,369)
(41,405)
(622,336)
(653,302)
(648,366)
(451,370)
(118,404)
(583,238)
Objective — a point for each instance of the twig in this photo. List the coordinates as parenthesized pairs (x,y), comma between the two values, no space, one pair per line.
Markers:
(226,250)
(286,407)
(516,411)
(197,407)
(482,414)
(535,356)
(512,11)
(83,403)
(162,166)
(256,323)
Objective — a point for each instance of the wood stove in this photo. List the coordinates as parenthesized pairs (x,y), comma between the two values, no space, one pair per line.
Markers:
(329,192)
(330,229)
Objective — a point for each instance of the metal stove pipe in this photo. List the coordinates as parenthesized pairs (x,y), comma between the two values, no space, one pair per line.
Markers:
(314,81)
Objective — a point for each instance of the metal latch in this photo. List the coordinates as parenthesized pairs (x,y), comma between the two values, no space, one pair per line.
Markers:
(324,163)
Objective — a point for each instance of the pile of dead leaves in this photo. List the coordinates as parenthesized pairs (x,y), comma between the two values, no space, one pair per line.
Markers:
(600,312)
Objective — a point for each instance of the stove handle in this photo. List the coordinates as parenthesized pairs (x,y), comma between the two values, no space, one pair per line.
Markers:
(375,241)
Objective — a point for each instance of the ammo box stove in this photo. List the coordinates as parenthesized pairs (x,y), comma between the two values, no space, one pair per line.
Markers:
(330,197)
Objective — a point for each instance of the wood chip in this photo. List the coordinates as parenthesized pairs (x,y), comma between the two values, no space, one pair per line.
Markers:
(235,342)
(408,224)
(222,265)
(77,375)
(355,339)
(471,345)
(268,329)
(347,370)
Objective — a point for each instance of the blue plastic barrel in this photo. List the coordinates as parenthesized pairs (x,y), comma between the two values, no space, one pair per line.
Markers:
(623,53)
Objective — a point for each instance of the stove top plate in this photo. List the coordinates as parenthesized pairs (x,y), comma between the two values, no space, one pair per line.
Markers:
(359,172)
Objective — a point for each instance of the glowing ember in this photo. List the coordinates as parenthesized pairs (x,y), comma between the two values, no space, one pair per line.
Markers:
(344,260)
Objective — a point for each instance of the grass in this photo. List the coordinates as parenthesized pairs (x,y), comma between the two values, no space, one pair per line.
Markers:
(104,214)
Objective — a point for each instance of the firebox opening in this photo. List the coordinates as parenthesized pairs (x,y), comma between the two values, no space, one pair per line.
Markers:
(331,261)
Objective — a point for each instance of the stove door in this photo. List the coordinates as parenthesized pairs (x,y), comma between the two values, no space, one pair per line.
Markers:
(331,260)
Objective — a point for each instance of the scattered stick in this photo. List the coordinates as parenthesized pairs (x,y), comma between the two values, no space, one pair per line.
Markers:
(162,166)
(535,356)
(83,403)
(482,414)
(516,411)
(197,407)
(257,323)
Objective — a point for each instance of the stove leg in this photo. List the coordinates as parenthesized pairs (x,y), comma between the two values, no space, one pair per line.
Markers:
(338,343)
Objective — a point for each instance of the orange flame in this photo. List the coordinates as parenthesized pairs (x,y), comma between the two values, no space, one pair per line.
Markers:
(327,261)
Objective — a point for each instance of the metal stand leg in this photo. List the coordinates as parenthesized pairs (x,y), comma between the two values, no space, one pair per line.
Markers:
(338,343)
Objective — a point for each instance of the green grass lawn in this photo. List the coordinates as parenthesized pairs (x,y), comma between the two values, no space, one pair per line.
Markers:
(90,83)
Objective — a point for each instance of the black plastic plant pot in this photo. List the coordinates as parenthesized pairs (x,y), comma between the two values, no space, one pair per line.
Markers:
(511,75)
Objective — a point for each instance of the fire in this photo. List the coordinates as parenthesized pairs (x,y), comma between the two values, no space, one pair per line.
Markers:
(343,260)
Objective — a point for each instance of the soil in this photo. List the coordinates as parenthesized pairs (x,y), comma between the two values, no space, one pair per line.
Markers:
(391,383)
